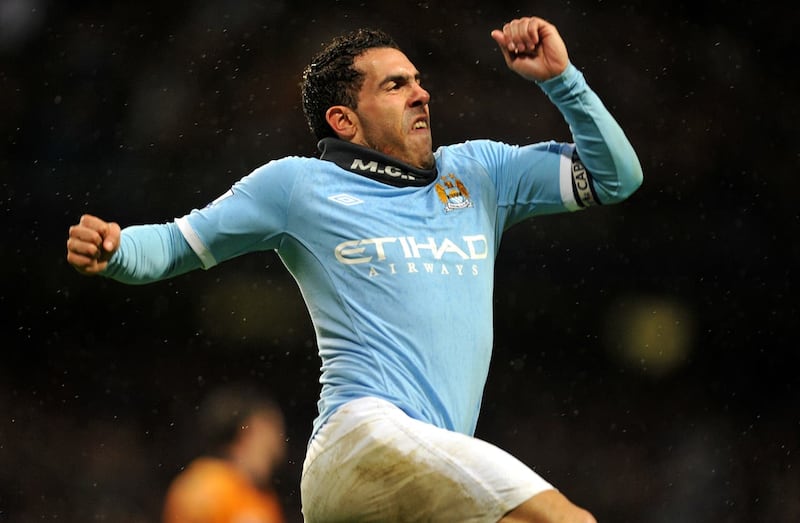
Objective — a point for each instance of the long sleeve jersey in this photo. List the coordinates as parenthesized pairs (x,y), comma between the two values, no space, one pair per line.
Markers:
(396,264)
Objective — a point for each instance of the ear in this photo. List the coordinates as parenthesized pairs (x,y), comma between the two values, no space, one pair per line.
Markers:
(343,121)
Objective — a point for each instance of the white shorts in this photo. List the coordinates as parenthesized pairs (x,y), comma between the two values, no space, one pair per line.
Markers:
(371,462)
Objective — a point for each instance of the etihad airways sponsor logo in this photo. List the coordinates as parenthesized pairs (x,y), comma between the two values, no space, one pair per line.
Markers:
(394,254)
(369,250)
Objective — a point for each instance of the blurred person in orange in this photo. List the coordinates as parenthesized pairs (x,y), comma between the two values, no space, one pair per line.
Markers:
(243,443)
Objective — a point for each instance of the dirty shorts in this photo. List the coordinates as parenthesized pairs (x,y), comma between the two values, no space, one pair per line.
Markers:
(372,462)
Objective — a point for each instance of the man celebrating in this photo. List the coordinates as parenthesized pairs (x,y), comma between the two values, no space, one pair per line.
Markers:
(393,247)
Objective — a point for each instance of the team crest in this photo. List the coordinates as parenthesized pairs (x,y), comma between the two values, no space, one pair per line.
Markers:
(453,193)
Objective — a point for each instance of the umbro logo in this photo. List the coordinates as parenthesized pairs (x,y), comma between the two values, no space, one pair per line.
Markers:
(345,199)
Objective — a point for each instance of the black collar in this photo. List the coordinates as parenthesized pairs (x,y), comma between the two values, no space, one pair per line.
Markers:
(372,164)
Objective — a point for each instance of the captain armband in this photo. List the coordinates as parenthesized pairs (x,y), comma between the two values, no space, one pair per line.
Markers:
(582,187)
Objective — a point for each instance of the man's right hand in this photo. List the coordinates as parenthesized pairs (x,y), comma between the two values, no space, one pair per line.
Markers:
(91,244)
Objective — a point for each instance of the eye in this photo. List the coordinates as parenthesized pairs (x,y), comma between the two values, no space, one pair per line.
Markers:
(395,83)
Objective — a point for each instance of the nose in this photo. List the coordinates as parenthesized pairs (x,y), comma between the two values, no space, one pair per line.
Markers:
(420,95)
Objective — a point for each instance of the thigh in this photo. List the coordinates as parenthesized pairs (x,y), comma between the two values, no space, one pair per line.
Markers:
(371,462)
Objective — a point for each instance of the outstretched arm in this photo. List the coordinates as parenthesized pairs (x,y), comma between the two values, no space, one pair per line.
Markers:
(136,255)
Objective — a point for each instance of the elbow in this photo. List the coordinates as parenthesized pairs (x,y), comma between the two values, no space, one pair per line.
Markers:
(629,179)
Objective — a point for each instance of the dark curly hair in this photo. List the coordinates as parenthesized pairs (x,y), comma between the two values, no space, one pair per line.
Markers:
(330,79)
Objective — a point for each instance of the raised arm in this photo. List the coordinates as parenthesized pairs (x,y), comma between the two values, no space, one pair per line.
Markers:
(533,48)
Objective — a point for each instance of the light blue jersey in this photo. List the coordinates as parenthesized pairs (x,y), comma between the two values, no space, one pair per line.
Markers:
(395,264)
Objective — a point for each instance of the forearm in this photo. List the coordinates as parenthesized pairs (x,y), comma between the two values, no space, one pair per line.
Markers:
(149,253)
(601,143)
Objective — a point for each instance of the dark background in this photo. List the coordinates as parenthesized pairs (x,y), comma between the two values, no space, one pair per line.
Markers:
(646,358)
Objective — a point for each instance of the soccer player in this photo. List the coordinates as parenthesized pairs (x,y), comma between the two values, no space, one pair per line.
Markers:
(393,247)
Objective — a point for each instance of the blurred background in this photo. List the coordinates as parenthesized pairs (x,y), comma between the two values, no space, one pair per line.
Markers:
(646,355)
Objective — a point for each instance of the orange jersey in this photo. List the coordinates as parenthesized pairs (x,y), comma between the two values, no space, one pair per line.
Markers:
(213,491)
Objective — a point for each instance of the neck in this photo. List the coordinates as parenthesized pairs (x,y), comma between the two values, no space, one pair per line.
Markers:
(373,164)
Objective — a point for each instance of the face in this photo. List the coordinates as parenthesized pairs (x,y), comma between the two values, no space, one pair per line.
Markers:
(261,446)
(392,115)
